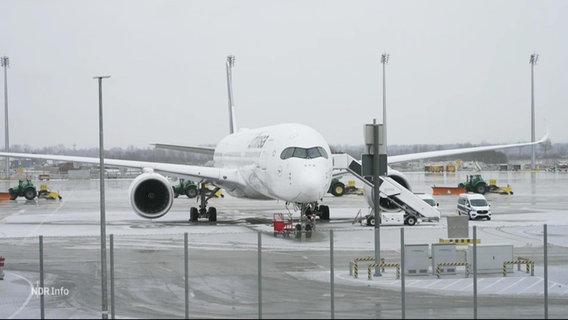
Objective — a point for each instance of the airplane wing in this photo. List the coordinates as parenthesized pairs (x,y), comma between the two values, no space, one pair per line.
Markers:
(203,150)
(441,153)
(226,176)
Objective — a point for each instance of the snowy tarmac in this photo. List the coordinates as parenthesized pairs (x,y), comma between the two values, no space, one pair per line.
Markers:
(518,220)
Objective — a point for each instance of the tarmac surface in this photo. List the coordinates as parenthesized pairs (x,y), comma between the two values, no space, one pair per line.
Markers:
(223,257)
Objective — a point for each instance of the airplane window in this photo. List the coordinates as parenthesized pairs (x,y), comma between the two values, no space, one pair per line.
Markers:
(287,153)
(303,153)
(322,152)
(300,153)
(313,153)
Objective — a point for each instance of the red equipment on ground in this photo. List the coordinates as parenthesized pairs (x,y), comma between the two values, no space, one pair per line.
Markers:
(282,225)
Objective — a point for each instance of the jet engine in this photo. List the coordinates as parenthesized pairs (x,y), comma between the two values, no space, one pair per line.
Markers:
(387,204)
(151,195)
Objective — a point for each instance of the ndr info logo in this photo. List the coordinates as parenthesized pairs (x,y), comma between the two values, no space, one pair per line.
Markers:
(49,291)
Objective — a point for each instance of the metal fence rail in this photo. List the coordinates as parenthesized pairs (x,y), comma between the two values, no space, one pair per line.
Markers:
(258,276)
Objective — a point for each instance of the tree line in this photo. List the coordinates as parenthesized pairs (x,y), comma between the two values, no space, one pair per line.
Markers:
(543,151)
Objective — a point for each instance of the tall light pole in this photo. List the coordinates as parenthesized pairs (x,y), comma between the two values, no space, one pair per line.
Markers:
(102,204)
(6,63)
(230,63)
(384,61)
(532,61)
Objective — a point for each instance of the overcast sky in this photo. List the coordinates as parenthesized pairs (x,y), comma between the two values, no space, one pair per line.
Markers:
(458,71)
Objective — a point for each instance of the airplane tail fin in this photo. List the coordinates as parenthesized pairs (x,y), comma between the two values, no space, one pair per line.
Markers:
(232,122)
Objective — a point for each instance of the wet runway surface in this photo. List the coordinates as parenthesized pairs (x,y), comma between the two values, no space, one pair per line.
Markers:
(223,257)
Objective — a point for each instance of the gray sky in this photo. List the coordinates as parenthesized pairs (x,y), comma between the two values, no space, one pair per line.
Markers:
(458,70)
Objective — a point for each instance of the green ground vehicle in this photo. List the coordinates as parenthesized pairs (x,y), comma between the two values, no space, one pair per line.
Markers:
(25,188)
(187,187)
(474,183)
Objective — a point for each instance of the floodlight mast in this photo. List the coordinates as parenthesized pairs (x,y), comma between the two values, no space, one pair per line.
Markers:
(104,286)
(230,64)
(384,61)
(5,61)
(533,59)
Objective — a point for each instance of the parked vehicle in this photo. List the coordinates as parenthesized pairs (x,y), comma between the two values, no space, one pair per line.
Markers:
(25,188)
(187,187)
(474,183)
(338,188)
(474,205)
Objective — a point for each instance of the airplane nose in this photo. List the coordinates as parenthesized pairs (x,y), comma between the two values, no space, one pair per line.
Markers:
(310,185)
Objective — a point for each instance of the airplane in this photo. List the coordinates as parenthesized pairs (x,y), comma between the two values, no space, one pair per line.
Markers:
(289,162)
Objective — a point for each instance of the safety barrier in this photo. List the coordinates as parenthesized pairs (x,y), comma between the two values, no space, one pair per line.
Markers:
(356,266)
(2,260)
(461,241)
(383,266)
(450,264)
(527,265)
(520,260)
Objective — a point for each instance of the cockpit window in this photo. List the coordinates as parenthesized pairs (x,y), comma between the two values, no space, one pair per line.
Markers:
(300,153)
(303,153)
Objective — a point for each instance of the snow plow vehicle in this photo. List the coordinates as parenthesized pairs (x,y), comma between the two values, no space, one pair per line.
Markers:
(25,188)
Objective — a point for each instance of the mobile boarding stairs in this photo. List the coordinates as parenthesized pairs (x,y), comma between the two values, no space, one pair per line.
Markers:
(405,199)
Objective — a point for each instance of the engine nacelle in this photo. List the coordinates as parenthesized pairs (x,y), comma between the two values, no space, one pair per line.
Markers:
(385,203)
(151,195)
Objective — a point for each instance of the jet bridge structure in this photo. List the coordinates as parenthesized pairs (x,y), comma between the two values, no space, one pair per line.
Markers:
(406,200)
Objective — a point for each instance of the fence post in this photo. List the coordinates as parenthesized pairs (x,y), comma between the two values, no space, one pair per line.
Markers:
(186,267)
(259,275)
(41,299)
(2,259)
(331,274)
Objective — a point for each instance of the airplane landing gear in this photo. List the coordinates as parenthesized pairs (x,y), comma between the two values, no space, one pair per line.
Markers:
(203,196)
(308,213)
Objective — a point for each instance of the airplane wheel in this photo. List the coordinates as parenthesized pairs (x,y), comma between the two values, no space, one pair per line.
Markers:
(298,230)
(371,221)
(193,214)
(212,214)
(308,231)
(324,211)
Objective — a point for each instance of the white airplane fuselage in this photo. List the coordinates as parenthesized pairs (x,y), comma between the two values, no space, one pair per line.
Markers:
(289,162)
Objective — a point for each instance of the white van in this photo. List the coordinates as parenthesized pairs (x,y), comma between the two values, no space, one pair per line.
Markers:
(474,205)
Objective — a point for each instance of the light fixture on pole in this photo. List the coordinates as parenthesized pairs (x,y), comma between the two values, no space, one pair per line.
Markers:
(5,61)
(532,61)
(102,203)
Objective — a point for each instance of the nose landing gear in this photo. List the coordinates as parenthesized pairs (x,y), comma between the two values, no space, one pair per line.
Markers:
(309,213)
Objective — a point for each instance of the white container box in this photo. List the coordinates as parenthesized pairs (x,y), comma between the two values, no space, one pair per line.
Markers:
(490,257)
